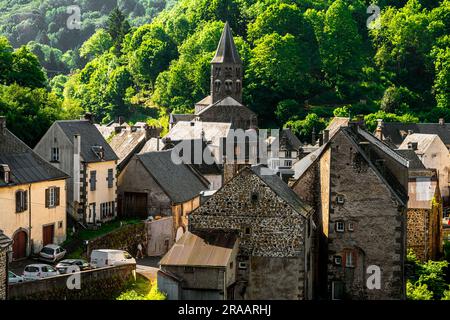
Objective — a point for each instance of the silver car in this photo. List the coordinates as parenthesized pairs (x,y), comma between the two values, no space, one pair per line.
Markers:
(14,278)
(52,253)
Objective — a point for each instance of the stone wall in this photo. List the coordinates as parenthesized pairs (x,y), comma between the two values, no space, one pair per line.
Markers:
(3,273)
(267,226)
(416,231)
(126,238)
(97,284)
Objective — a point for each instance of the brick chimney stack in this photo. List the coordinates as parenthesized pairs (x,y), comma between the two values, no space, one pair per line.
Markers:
(88,116)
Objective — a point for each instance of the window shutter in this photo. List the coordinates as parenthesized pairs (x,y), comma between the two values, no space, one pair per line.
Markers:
(25,200)
(93,180)
(110,178)
(18,206)
(57,196)
(47,197)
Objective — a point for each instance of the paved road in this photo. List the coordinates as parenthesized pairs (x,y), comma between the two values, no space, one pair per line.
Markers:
(148,267)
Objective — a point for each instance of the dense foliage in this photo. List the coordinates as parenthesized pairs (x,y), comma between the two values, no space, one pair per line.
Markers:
(304,60)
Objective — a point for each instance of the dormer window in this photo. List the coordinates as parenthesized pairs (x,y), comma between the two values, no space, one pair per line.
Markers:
(99,151)
(55,155)
(5,173)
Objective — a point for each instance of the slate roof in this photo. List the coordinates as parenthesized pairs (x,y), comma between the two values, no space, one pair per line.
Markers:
(191,130)
(201,249)
(5,242)
(281,189)
(90,136)
(126,142)
(301,166)
(396,131)
(413,159)
(226,50)
(152,145)
(180,182)
(205,101)
(26,165)
(174,118)
(292,142)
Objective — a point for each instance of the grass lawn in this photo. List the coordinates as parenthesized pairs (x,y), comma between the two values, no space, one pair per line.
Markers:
(141,289)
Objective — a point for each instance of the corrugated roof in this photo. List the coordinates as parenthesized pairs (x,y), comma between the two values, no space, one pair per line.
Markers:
(26,166)
(90,136)
(282,189)
(202,249)
(180,182)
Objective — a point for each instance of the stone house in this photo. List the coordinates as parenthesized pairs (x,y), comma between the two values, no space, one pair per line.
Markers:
(424,214)
(5,247)
(274,229)
(224,104)
(32,197)
(434,155)
(358,187)
(153,185)
(200,266)
(78,148)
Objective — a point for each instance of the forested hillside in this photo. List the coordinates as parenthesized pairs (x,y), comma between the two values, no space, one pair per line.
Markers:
(304,61)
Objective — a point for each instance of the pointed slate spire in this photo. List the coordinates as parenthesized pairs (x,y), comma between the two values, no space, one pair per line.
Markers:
(226,50)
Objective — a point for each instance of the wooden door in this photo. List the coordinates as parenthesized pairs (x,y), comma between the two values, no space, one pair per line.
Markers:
(135,205)
(20,245)
(48,232)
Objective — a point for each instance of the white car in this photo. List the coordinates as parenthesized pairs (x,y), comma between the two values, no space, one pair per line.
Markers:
(108,257)
(14,278)
(52,252)
(39,271)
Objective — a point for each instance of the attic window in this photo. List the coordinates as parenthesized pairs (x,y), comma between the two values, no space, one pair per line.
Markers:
(340,226)
(99,151)
(5,173)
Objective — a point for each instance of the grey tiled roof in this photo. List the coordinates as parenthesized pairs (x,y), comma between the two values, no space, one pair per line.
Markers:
(174,117)
(125,143)
(180,182)
(4,240)
(226,50)
(411,156)
(393,131)
(90,136)
(282,190)
(26,166)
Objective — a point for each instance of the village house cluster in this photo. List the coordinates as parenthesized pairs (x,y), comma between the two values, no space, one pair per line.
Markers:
(305,223)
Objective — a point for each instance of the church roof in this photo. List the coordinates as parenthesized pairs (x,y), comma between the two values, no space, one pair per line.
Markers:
(226,50)
(225,102)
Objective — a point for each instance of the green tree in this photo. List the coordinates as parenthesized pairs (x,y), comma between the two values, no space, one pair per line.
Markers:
(99,43)
(6,60)
(304,128)
(117,27)
(26,69)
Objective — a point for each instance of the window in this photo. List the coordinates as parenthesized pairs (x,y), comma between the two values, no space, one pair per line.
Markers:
(337,290)
(288,154)
(337,260)
(55,155)
(52,197)
(340,226)
(93,180)
(243,265)
(340,199)
(60,225)
(350,226)
(110,178)
(238,86)
(288,163)
(21,201)
(228,85)
(349,259)
(231,265)
(254,196)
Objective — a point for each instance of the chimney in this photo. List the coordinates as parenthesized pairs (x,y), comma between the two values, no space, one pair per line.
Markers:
(2,124)
(326,135)
(120,120)
(118,129)
(152,132)
(379,130)
(441,121)
(89,117)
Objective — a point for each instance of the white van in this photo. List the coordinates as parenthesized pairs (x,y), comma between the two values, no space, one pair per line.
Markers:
(108,257)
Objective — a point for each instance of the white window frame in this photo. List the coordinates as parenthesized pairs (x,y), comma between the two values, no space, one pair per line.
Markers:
(243,265)
(333,289)
(340,199)
(340,223)
(337,260)
(51,197)
(350,226)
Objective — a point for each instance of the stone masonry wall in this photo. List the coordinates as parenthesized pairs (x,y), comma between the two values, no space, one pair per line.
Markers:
(416,228)
(3,275)
(126,238)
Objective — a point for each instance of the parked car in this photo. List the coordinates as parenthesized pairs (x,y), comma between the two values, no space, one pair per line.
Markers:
(39,271)
(14,278)
(52,253)
(63,265)
(108,257)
